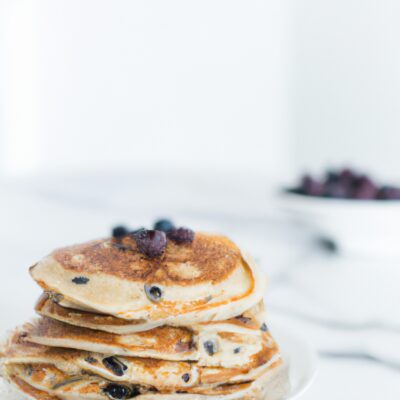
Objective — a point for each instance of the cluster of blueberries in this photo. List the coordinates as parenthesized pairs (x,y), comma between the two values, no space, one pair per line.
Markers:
(152,242)
(346,184)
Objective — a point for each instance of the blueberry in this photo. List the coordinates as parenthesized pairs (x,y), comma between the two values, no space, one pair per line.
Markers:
(311,187)
(120,392)
(150,243)
(264,327)
(163,225)
(119,231)
(388,193)
(383,193)
(346,176)
(364,189)
(154,293)
(345,173)
(186,378)
(211,346)
(327,244)
(394,194)
(331,176)
(90,360)
(243,319)
(80,280)
(236,350)
(115,365)
(181,235)
(335,190)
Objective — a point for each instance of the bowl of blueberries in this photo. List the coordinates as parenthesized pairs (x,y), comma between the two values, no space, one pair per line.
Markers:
(348,210)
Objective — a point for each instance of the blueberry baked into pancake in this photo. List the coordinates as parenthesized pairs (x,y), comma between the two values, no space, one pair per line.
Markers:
(155,314)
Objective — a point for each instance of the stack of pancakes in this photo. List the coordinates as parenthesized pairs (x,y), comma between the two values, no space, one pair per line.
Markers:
(115,324)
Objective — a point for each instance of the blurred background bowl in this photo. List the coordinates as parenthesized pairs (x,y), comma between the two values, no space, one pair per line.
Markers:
(370,227)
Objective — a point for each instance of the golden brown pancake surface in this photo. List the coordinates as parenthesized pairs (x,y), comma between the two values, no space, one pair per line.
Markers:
(29,390)
(209,258)
(46,306)
(164,339)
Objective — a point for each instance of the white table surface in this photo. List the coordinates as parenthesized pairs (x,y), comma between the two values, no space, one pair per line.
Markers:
(39,215)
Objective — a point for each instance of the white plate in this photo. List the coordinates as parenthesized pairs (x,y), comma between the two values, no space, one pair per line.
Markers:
(301,358)
(8,393)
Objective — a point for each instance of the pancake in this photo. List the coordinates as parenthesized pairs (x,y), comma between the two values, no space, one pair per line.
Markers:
(158,374)
(208,279)
(45,382)
(49,306)
(223,344)
(29,391)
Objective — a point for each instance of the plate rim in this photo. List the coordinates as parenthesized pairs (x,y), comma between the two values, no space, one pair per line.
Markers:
(279,332)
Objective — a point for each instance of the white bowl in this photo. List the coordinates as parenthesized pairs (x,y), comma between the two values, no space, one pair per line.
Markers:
(356,226)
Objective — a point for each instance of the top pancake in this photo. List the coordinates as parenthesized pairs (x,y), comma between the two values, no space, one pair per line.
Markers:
(208,279)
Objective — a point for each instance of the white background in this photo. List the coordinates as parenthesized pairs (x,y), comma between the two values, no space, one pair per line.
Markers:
(144,84)
(258,86)
(345,86)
